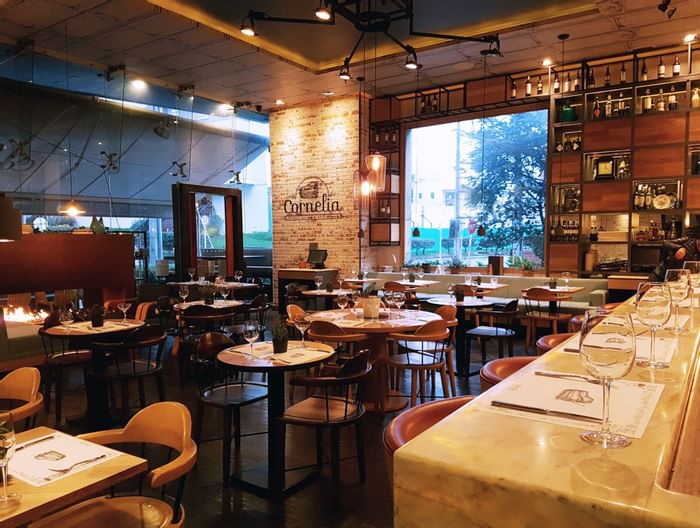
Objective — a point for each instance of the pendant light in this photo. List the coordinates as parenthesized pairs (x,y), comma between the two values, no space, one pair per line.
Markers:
(481,230)
(376,163)
(71,207)
(10,220)
(416,229)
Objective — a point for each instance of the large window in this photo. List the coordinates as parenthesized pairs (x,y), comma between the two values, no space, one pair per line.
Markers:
(486,172)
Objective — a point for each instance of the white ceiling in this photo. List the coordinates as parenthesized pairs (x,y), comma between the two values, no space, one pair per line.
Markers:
(172,50)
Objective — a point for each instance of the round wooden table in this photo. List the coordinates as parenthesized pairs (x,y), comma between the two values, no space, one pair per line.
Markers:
(218,304)
(379,397)
(327,295)
(84,329)
(263,360)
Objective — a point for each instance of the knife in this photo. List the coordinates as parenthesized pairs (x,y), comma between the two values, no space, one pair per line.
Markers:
(33,442)
(542,410)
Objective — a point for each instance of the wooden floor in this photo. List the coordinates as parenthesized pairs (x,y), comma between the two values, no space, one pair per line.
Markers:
(209,504)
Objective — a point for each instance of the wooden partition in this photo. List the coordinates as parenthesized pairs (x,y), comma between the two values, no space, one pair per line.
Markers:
(103,265)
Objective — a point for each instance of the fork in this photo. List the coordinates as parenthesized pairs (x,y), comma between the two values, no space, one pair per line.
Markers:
(567,376)
(63,471)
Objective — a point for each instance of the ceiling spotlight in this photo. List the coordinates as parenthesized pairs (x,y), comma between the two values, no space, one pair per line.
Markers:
(247,26)
(665,7)
(138,85)
(547,62)
(411,59)
(344,72)
(324,12)
(328,93)
(690,37)
(279,102)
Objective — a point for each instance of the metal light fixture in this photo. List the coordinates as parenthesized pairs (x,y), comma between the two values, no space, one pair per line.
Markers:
(10,221)
(376,164)
(323,12)
(411,59)
(344,72)
(248,26)
(665,7)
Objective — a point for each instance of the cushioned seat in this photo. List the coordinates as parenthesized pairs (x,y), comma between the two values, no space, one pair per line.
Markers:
(409,424)
(576,322)
(548,342)
(499,369)
(314,408)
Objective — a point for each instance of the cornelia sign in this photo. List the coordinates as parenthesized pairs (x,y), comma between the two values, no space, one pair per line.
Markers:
(312,200)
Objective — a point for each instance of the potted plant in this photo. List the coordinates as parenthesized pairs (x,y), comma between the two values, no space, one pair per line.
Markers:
(527,266)
(280,338)
(454,266)
(427,267)
(301,261)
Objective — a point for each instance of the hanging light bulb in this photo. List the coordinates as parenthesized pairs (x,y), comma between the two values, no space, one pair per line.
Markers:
(10,221)
(71,208)
(376,163)
(365,188)
(323,12)
(247,26)
(344,72)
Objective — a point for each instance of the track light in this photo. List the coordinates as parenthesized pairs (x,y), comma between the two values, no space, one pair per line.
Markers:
(324,12)
(247,26)
(344,72)
(411,59)
(665,7)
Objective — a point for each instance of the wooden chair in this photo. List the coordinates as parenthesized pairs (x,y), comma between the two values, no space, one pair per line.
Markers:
(166,424)
(344,342)
(218,390)
(548,342)
(166,314)
(294,310)
(22,385)
(145,310)
(542,309)
(60,354)
(394,286)
(137,357)
(338,403)
(449,315)
(421,352)
(255,311)
(500,326)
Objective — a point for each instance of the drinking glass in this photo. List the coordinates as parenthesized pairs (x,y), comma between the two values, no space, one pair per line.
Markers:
(678,281)
(184,292)
(7,449)
(302,323)
(191,272)
(355,299)
(399,299)
(318,280)
(66,319)
(223,290)
(421,274)
(404,272)
(251,332)
(468,278)
(694,267)
(607,353)
(653,309)
(342,301)
(238,275)
(124,307)
(389,300)
(451,290)
(565,276)
(354,274)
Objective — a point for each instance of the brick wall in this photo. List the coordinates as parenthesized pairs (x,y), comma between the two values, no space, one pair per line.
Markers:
(314,152)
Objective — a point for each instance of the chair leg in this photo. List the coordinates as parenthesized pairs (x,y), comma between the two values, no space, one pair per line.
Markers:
(528,329)
(59,393)
(142,392)
(335,464)
(500,347)
(414,387)
(421,377)
(432,383)
(360,442)
(281,433)
(451,373)
(48,381)
(510,346)
(445,384)
(464,370)
(237,426)
(160,385)
(227,446)
(482,345)
(198,421)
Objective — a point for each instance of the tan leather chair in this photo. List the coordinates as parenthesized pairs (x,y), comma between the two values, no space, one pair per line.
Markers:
(548,342)
(499,369)
(22,385)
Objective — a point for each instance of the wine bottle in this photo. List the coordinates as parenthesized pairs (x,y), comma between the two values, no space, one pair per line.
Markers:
(556,83)
(591,78)
(540,86)
(661,68)
(567,82)
(621,105)
(608,107)
(672,100)
(646,101)
(623,74)
(676,67)
(434,106)
(528,87)
(661,103)
(513,90)
(607,76)
(695,98)
(577,81)
(645,72)
(596,109)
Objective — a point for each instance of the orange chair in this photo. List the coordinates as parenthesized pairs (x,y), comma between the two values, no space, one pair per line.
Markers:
(409,424)
(542,307)
(22,385)
(499,369)
(548,342)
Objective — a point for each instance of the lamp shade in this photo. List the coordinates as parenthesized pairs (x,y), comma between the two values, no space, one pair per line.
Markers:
(376,164)
(10,221)
(71,208)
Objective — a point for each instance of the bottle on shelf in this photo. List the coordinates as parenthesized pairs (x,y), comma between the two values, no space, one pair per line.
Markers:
(528,87)
(540,86)
(513,90)
(646,102)
(591,78)
(619,110)
(695,98)
(661,101)
(623,74)
(672,99)
(648,198)
(434,106)
(393,137)
(607,78)
(596,108)
(567,82)
(376,138)
(661,68)
(556,82)
(676,67)
(608,107)
(577,81)
(645,72)
(422,105)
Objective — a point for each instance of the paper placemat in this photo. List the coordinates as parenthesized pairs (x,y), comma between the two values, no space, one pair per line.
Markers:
(665,348)
(631,403)
(682,321)
(34,460)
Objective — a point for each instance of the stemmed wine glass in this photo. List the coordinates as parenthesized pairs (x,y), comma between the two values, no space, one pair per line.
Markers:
(7,449)
(238,275)
(678,281)
(124,307)
(223,290)
(607,353)
(184,292)
(302,324)
(66,319)
(355,299)
(191,272)
(404,272)
(342,301)
(565,276)
(694,267)
(389,300)
(420,274)
(251,332)
(451,290)
(318,280)
(399,299)
(653,309)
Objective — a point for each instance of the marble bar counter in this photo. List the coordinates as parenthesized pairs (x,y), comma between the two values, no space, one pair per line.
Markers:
(479,467)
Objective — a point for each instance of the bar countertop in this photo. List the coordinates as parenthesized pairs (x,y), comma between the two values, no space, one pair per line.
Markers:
(481,468)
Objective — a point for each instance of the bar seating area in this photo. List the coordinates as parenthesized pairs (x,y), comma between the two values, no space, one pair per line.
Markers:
(349,263)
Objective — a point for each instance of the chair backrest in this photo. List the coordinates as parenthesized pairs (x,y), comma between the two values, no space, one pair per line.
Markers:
(294,310)
(210,344)
(394,286)
(448,312)
(63,298)
(328,331)
(19,300)
(432,330)
(535,296)
(145,309)
(142,346)
(22,385)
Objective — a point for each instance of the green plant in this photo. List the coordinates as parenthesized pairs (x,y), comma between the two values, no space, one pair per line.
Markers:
(280,332)
(526,264)
(455,263)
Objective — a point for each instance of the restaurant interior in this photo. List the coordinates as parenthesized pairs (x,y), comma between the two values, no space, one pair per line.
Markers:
(349,263)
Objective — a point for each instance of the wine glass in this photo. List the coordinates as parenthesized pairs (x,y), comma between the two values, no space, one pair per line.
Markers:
(7,449)
(607,353)
(124,307)
(389,300)
(318,280)
(223,290)
(451,290)
(404,272)
(342,301)
(302,324)
(355,299)
(653,309)
(565,276)
(251,332)
(66,319)
(191,272)
(399,299)
(468,278)
(678,281)
(420,274)
(238,275)
(184,292)
(694,267)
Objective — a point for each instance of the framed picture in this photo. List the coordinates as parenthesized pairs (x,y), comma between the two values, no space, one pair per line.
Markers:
(605,168)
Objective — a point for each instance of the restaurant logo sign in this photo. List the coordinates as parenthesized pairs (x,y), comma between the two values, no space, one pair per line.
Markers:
(312,200)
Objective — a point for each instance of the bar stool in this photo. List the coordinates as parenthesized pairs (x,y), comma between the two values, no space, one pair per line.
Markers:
(548,342)
(421,352)
(409,424)
(499,369)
